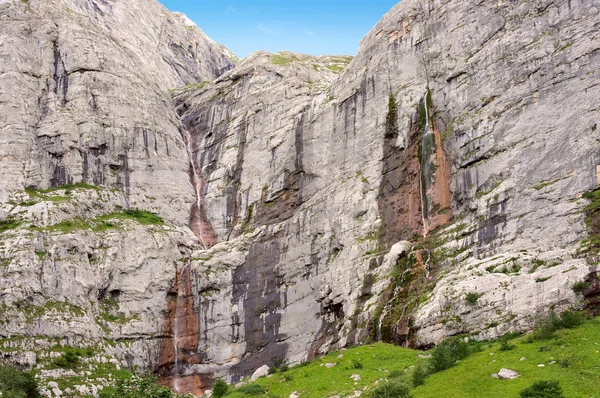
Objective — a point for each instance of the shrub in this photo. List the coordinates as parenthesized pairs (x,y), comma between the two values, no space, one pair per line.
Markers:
(394,374)
(570,319)
(446,354)
(419,376)
(564,363)
(16,383)
(219,389)
(135,387)
(546,326)
(69,360)
(279,366)
(543,389)
(471,298)
(252,389)
(580,286)
(356,364)
(392,389)
(506,346)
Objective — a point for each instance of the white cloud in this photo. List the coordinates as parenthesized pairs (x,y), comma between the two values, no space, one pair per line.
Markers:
(266,29)
(232,10)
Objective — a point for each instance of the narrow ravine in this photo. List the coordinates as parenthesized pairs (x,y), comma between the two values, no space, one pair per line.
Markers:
(199,223)
(427,150)
(429,184)
(180,352)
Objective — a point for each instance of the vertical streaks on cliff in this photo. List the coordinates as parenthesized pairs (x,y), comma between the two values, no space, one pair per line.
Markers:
(199,222)
(399,196)
(181,350)
(232,192)
(283,204)
(435,173)
(257,288)
(61,78)
(414,199)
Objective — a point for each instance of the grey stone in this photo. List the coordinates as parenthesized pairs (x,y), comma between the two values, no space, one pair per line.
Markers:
(260,372)
(507,374)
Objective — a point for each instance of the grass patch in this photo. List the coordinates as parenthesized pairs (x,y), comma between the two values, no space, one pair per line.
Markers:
(544,184)
(70,357)
(279,59)
(472,297)
(8,224)
(143,217)
(335,68)
(482,193)
(68,188)
(104,222)
(197,86)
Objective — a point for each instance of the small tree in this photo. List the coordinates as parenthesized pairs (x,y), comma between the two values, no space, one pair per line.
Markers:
(446,354)
(219,389)
(419,376)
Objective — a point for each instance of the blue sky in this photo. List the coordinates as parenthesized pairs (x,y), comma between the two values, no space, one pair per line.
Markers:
(302,26)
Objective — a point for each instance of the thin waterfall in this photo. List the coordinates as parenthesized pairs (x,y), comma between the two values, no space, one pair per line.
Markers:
(197,184)
(427,147)
(390,302)
(178,330)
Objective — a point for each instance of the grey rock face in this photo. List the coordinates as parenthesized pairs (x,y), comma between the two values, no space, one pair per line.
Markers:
(84,97)
(327,166)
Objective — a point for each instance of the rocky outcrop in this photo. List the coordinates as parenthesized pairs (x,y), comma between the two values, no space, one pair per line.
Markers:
(428,187)
(84,96)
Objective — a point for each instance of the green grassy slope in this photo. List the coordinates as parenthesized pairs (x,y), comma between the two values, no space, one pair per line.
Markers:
(571,357)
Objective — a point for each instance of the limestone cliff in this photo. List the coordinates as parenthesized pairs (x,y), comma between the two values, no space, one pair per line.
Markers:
(461,136)
(430,186)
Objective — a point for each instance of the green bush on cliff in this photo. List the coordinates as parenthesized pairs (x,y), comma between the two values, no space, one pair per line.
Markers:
(252,389)
(143,216)
(15,383)
(219,389)
(5,225)
(447,353)
(137,387)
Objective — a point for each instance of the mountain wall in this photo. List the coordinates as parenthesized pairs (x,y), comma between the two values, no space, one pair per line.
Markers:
(446,162)
(436,184)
